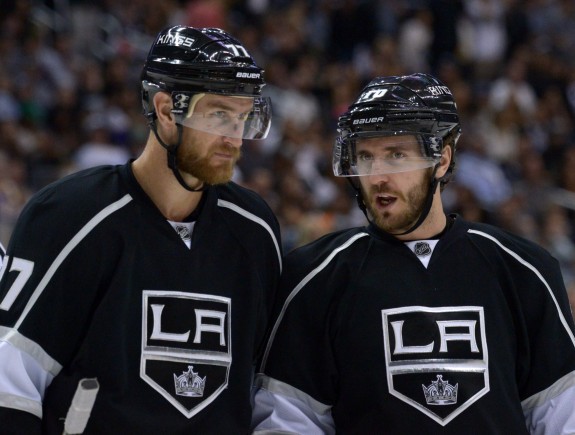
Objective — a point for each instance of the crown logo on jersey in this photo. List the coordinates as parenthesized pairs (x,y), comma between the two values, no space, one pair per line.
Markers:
(422,248)
(190,384)
(440,392)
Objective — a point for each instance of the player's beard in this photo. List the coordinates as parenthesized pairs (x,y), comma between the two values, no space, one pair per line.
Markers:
(203,168)
(398,222)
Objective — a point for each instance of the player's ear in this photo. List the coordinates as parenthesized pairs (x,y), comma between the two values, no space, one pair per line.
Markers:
(163,106)
(446,156)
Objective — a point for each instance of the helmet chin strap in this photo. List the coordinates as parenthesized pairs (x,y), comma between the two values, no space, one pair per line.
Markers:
(426,207)
(172,151)
(424,211)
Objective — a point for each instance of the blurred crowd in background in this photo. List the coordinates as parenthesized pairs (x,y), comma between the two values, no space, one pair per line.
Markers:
(69,99)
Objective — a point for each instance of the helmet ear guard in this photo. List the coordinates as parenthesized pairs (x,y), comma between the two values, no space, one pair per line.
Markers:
(148,91)
(450,140)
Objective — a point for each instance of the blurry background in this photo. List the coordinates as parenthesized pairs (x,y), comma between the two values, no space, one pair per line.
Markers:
(69,99)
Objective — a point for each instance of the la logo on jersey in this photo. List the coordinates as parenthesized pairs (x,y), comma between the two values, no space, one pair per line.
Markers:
(186,357)
(436,358)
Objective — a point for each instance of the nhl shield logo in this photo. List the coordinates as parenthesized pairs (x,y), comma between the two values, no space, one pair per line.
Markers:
(436,358)
(422,249)
(186,357)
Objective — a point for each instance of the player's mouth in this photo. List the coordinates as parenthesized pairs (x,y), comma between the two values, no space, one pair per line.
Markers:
(226,153)
(224,156)
(383,201)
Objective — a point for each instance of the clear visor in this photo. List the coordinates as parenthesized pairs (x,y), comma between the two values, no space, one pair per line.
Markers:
(367,156)
(245,120)
(391,165)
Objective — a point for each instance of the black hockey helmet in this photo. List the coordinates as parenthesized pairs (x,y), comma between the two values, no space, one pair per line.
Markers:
(416,104)
(189,63)
(186,61)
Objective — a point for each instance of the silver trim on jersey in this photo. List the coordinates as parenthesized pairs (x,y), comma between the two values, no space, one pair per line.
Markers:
(302,283)
(20,403)
(74,241)
(278,387)
(273,432)
(563,384)
(31,348)
(537,273)
(551,411)
(256,219)
(279,408)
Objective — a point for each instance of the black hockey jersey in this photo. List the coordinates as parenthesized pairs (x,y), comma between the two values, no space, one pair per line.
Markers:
(369,340)
(97,284)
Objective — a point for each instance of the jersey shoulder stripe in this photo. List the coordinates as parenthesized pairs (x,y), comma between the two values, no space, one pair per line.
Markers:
(346,244)
(537,273)
(245,208)
(256,219)
(90,225)
(12,335)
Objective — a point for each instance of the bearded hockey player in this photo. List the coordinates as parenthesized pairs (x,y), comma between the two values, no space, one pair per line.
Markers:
(155,278)
(420,322)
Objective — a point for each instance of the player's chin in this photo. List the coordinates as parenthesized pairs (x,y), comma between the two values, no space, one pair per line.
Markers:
(220,175)
(388,222)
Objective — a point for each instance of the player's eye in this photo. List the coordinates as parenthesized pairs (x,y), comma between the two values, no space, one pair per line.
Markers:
(364,157)
(244,116)
(220,114)
(397,155)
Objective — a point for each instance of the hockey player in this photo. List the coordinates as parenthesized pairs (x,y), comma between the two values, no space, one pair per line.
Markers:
(155,277)
(419,322)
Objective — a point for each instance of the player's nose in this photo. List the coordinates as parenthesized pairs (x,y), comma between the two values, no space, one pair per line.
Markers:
(235,142)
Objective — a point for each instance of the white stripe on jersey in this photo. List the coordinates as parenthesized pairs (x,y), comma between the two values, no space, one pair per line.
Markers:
(537,273)
(22,380)
(551,410)
(75,241)
(256,219)
(565,384)
(302,283)
(2,254)
(31,348)
(283,409)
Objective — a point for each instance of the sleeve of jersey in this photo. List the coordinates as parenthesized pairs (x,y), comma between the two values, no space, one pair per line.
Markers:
(21,383)
(551,408)
(280,408)
(49,282)
(546,370)
(298,383)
